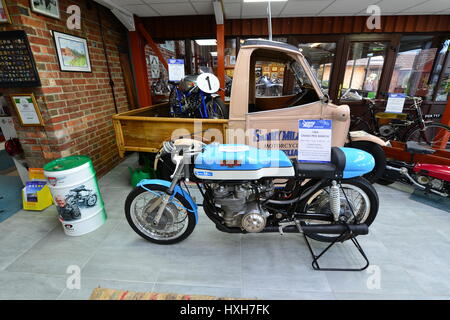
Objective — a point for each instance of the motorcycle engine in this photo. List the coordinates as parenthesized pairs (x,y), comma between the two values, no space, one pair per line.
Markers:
(433,183)
(240,206)
(386,130)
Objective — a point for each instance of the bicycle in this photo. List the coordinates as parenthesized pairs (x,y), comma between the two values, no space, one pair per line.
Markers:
(403,127)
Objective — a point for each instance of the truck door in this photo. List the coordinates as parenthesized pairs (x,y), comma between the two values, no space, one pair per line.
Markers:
(282,90)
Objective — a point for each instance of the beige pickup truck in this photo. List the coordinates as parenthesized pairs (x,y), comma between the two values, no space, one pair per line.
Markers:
(263,121)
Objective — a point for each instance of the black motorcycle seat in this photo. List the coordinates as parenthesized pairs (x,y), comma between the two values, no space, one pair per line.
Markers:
(415,147)
(333,169)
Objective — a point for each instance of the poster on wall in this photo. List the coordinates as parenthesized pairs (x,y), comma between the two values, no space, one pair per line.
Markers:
(48,8)
(17,66)
(4,15)
(176,69)
(27,109)
(72,52)
(154,66)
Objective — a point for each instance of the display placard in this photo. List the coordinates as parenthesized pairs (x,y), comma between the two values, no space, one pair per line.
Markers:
(27,109)
(17,66)
(176,69)
(395,103)
(314,140)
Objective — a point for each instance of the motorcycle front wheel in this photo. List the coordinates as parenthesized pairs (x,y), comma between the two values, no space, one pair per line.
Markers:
(176,222)
(217,109)
(362,205)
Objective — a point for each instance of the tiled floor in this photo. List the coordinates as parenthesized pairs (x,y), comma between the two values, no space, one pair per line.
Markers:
(408,245)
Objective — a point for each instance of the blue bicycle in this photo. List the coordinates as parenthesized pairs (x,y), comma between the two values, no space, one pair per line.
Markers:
(195,97)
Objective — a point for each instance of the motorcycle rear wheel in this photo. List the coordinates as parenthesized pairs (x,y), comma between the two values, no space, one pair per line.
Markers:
(140,220)
(365,211)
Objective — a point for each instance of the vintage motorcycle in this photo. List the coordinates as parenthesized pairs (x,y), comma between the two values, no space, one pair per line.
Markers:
(81,197)
(248,190)
(195,96)
(427,177)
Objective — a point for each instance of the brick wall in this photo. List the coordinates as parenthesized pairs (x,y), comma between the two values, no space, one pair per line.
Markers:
(76,106)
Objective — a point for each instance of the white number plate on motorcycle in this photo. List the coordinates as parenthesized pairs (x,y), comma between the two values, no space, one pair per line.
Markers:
(207,82)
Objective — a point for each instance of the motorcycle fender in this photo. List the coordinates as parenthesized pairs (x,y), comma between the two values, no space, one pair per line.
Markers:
(364,136)
(178,189)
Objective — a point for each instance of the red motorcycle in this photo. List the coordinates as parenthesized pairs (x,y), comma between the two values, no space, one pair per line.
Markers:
(425,176)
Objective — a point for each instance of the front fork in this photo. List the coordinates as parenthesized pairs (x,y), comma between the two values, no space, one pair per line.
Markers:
(165,199)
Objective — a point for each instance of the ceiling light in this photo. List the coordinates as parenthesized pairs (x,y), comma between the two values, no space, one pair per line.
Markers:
(207,42)
(265,0)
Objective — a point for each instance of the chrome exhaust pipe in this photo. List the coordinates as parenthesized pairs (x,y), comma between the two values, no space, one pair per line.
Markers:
(403,171)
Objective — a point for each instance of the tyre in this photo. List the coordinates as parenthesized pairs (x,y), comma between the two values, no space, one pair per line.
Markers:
(359,124)
(174,105)
(92,200)
(217,109)
(378,154)
(385,182)
(433,135)
(361,195)
(176,222)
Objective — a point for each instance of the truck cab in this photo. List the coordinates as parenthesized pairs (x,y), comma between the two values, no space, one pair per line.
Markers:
(266,119)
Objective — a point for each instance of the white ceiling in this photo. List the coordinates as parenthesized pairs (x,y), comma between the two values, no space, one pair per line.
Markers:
(237,9)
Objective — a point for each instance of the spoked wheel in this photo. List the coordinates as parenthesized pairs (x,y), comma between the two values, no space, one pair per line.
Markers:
(361,196)
(175,105)
(359,124)
(217,109)
(433,135)
(176,222)
(92,200)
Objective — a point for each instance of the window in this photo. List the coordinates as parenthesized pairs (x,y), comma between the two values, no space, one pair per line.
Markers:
(230,61)
(205,55)
(413,67)
(269,78)
(363,70)
(320,57)
(280,82)
(443,65)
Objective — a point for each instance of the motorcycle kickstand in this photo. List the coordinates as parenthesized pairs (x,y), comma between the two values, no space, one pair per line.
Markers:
(315,262)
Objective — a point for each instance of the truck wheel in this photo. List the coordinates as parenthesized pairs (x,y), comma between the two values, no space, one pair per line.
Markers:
(377,152)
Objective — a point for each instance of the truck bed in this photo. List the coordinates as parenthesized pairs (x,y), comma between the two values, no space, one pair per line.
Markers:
(145,129)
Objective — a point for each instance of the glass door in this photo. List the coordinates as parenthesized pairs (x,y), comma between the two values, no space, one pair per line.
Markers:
(363,68)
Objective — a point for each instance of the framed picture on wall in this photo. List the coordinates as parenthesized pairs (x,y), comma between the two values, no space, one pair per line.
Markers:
(48,8)
(4,15)
(27,109)
(72,52)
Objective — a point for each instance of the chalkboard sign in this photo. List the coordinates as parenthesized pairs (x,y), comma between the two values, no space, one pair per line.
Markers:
(17,67)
